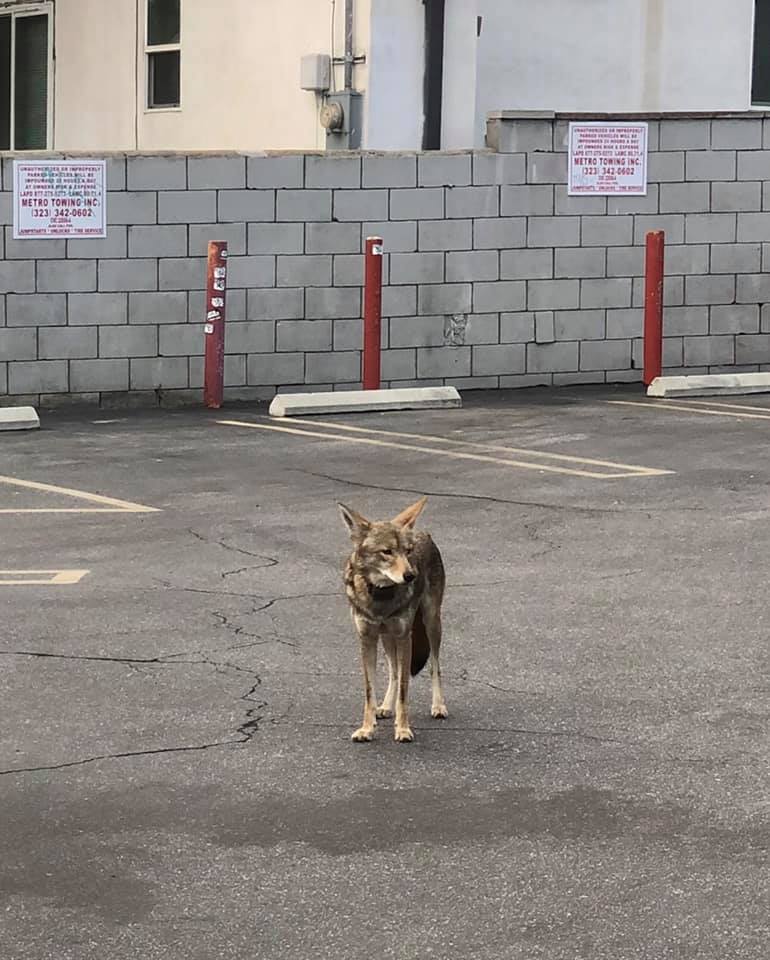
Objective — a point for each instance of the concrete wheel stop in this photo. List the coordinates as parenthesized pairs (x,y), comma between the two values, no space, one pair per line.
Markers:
(364,401)
(19,418)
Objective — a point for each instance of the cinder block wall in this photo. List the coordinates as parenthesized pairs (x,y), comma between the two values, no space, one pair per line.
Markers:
(494,276)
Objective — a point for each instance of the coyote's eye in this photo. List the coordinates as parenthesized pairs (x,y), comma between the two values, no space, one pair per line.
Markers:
(386,553)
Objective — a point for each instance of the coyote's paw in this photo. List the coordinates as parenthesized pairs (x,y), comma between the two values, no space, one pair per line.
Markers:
(383,711)
(363,734)
(439,711)
(404,735)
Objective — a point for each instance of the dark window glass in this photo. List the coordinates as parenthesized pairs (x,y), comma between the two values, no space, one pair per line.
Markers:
(164,79)
(31,83)
(162,22)
(5,83)
(760,80)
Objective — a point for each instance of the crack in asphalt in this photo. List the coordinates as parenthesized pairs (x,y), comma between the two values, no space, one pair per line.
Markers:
(213,541)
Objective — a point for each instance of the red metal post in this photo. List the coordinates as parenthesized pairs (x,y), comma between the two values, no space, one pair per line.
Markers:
(372,313)
(214,326)
(653,306)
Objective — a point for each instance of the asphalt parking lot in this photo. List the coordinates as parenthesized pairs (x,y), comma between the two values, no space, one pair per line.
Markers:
(179,680)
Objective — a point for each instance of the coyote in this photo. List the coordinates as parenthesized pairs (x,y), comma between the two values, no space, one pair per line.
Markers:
(394,580)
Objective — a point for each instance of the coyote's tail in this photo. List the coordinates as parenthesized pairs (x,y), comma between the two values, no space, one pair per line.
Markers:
(420,644)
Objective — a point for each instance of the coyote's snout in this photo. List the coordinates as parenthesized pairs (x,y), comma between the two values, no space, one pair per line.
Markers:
(394,580)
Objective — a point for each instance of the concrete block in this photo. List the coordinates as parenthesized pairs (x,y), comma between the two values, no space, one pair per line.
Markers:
(709,289)
(158,373)
(37,376)
(552,357)
(157,241)
(348,270)
(251,336)
(710,228)
(526,264)
(113,246)
(303,335)
(186,339)
(650,203)
(665,167)
(332,237)
(472,265)
(422,203)
(33,249)
(764,321)
(444,170)
(360,205)
(6,213)
(445,235)
(553,294)
(672,224)
(625,261)
(157,173)
(275,369)
(416,268)
(19,344)
(188,273)
(685,197)
(519,134)
(578,206)
(443,362)
(752,349)
(571,379)
(741,134)
(754,165)
(116,173)
(332,302)
(547,168)
(275,173)
(143,308)
(124,275)
(417,331)
(66,276)
(273,238)
(499,359)
(581,262)
(501,295)
(200,234)
(67,343)
(304,271)
(131,208)
(2,307)
(726,197)
(253,272)
(19,418)
(687,258)
(36,310)
(500,233)
(444,298)
(752,227)
(734,318)
(301,206)
(545,327)
(362,401)
(579,325)
(517,327)
(399,301)
(332,171)
(605,355)
(606,231)
(271,304)
(101,375)
(710,165)
(128,341)
(389,171)
(529,200)
(348,334)
(186,206)
(499,168)
(553,232)
(341,367)
(397,237)
(482,328)
(462,202)
(623,324)
(736,258)
(399,364)
(234,206)
(216,173)
(752,288)
(612,292)
(766,195)
(685,134)
(708,351)
(687,321)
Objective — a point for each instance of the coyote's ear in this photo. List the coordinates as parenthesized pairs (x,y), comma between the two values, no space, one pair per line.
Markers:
(407,517)
(357,525)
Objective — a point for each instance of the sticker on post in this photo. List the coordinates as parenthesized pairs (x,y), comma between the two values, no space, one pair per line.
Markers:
(220,272)
(213,315)
(217,302)
(208,327)
(219,284)
(377,249)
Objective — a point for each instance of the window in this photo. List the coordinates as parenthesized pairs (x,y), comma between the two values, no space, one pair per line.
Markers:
(25,75)
(760,78)
(163,54)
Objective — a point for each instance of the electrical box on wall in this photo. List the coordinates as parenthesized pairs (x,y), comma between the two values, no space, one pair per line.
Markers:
(315,71)
(342,116)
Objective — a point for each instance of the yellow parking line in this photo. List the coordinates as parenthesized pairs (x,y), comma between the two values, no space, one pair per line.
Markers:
(729,406)
(674,407)
(453,454)
(25,578)
(108,504)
